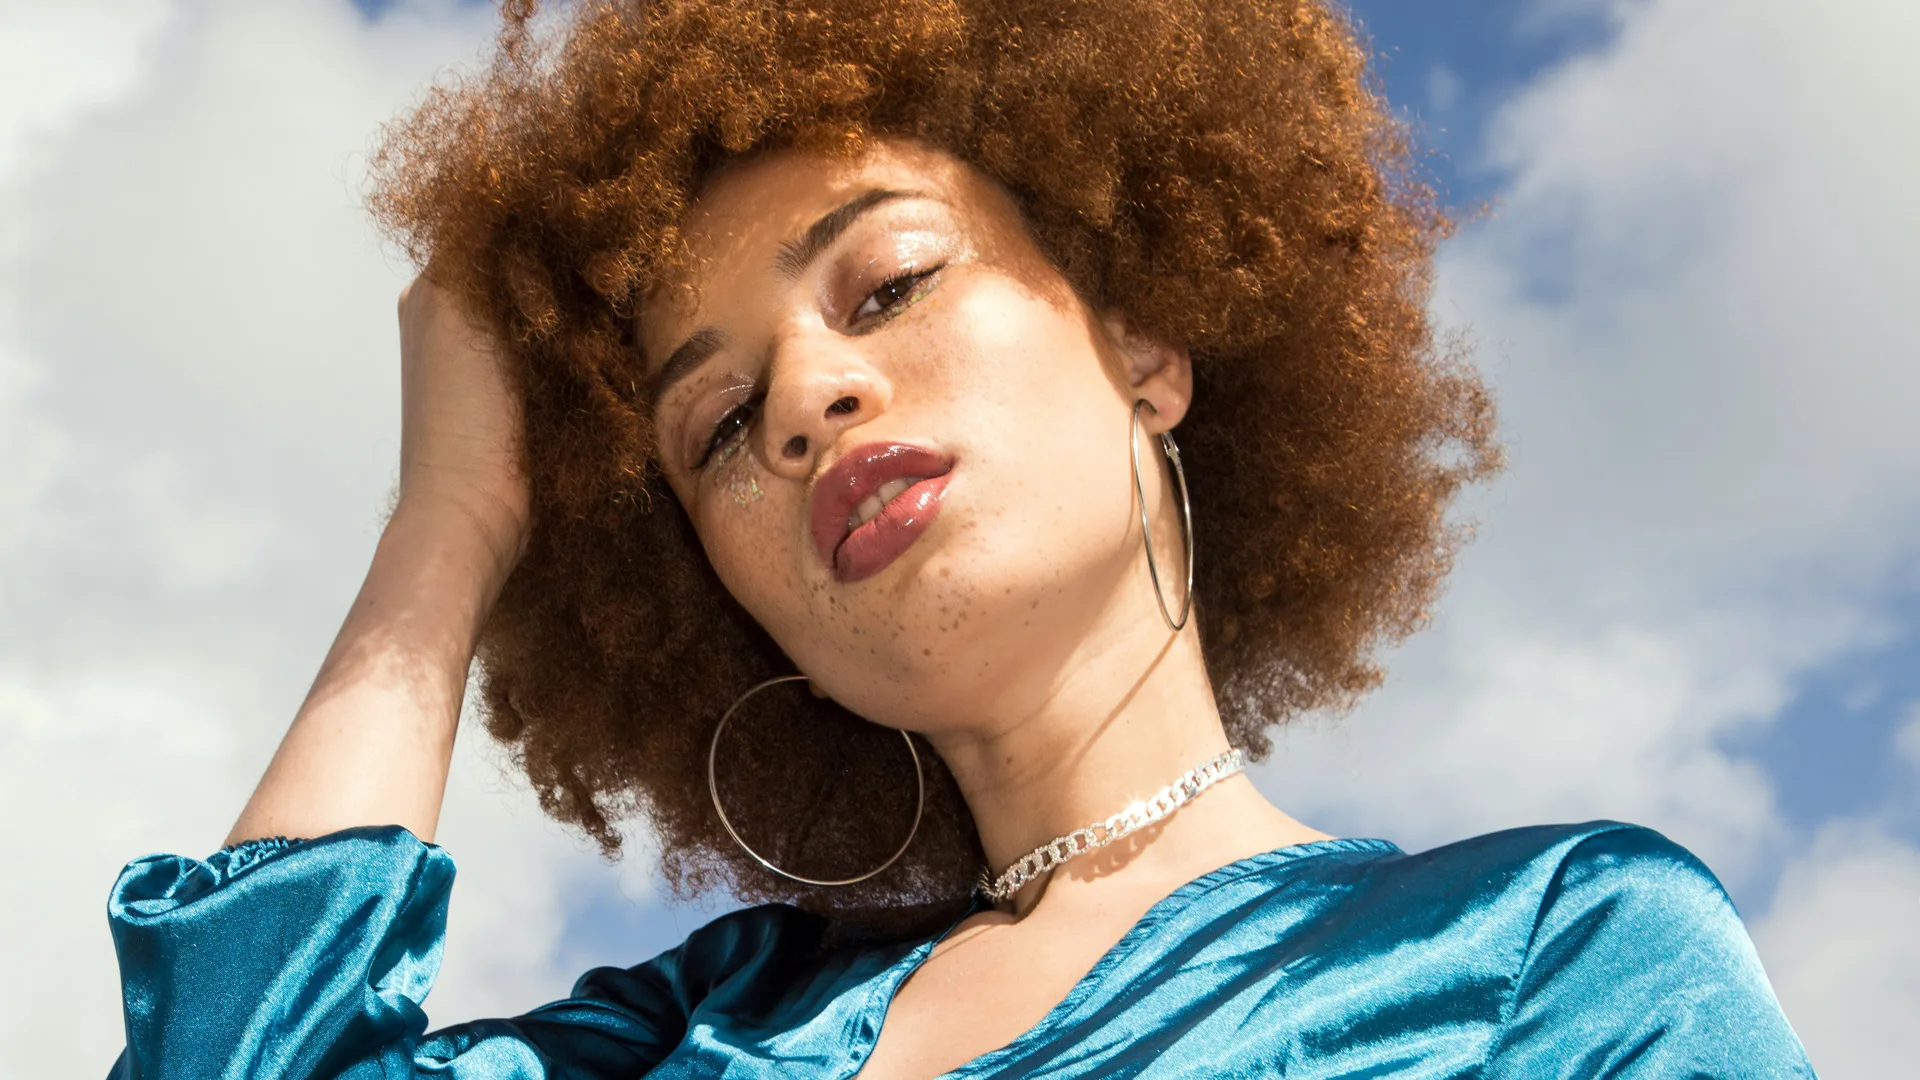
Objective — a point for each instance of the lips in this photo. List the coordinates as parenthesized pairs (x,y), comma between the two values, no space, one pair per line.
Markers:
(873,504)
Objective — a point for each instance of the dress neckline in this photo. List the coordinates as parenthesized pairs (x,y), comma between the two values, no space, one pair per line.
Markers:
(1162,909)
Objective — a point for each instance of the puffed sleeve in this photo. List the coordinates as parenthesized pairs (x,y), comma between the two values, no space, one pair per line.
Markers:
(278,960)
(1639,968)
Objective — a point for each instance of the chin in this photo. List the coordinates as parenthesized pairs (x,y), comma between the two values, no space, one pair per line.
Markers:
(983,631)
(957,622)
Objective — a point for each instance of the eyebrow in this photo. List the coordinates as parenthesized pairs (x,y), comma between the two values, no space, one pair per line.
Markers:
(686,359)
(796,255)
(792,261)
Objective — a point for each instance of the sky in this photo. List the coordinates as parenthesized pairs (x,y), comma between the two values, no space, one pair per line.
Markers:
(1693,601)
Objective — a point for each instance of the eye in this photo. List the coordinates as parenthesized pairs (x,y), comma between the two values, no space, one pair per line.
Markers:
(730,428)
(893,293)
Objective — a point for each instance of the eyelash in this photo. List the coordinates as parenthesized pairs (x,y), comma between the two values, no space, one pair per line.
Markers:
(717,441)
(905,286)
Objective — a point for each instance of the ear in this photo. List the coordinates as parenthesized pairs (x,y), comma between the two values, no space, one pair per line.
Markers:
(1159,372)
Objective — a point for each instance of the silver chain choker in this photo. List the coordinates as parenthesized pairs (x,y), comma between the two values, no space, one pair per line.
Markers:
(1101,833)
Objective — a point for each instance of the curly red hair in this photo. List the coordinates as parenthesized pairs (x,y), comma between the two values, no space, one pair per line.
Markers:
(1221,170)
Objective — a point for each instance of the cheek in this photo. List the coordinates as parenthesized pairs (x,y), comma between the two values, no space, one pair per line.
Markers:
(1042,428)
(995,348)
(742,522)
(1039,403)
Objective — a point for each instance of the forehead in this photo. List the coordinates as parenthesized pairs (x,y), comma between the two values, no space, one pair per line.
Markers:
(776,196)
(735,228)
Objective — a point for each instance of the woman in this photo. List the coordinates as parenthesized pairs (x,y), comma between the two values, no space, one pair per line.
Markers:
(852,341)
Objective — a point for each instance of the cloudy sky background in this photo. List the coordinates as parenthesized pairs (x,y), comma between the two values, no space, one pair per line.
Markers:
(1694,602)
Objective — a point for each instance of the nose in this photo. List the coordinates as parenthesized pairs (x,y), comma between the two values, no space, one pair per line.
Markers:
(819,389)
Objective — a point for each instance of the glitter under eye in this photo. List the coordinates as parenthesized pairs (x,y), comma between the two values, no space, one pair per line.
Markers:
(740,480)
(749,492)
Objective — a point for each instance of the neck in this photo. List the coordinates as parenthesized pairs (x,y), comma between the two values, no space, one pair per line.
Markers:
(1119,711)
(1121,722)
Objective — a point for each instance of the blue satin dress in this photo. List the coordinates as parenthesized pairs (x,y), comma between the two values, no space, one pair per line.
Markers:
(1596,950)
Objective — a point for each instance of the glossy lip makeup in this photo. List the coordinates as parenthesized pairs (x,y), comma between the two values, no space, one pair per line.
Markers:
(871,506)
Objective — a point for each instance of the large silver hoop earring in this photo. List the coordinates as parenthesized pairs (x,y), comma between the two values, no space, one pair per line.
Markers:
(713,790)
(1146,526)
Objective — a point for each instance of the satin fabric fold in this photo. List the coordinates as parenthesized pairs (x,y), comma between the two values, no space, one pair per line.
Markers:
(1597,950)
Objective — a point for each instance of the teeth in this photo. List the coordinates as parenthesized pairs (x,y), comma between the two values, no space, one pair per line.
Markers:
(870,506)
(891,490)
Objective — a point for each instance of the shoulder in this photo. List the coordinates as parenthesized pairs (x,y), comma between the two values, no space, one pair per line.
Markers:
(1515,875)
(744,943)
(1632,877)
(1551,893)
(1493,887)
(1569,885)
(1626,957)
(625,1021)
(1633,902)
(1542,872)
(1533,856)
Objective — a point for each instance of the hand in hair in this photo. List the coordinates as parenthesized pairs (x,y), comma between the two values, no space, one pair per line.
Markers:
(372,742)
(460,422)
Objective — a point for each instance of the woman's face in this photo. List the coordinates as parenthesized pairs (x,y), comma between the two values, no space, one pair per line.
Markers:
(900,436)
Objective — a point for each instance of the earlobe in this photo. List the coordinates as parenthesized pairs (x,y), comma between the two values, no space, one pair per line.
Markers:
(1169,386)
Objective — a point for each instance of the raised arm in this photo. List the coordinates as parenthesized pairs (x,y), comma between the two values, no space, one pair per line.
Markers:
(300,960)
(372,742)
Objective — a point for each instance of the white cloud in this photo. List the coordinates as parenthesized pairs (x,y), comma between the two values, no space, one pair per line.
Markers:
(56,62)
(1841,949)
(1443,90)
(1491,726)
(198,411)
(1693,298)
(60,57)
(1907,741)
(99,766)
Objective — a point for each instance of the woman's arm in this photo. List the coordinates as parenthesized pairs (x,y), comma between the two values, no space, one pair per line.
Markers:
(372,742)
(293,961)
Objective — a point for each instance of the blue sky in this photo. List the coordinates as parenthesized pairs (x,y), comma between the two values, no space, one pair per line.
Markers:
(1829,751)
(1449,65)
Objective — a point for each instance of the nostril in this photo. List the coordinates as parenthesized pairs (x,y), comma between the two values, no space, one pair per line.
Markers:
(795,447)
(844,406)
